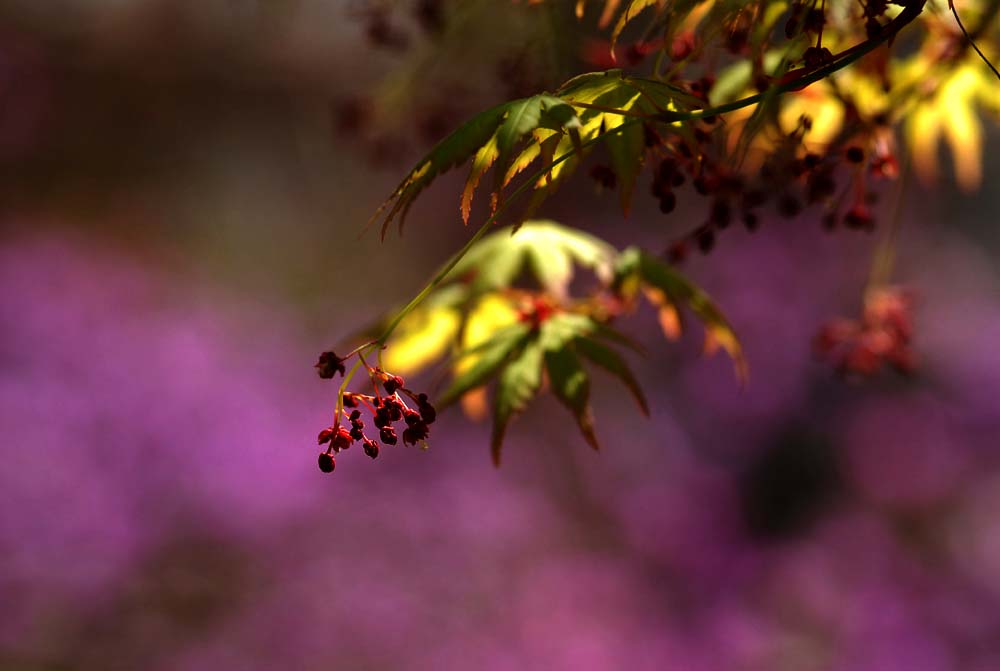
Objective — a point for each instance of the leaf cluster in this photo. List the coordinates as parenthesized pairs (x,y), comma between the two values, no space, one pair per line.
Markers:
(506,316)
(553,130)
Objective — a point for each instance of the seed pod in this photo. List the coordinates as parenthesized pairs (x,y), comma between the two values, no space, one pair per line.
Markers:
(668,202)
(677,252)
(817,56)
(329,364)
(706,239)
(859,217)
(604,176)
(392,384)
(720,213)
(326,462)
(789,206)
(753,198)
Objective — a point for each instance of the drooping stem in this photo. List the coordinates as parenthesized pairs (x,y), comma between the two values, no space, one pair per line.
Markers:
(885,253)
(992,10)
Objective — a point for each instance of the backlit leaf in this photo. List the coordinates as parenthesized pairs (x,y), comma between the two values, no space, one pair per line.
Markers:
(484,158)
(561,329)
(548,249)
(489,358)
(632,11)
(611,361)
(518,384)
(525,116)
(424,336)
(452,151)
(571,385)
(658,276)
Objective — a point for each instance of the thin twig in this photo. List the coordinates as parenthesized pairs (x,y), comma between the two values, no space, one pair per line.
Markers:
(951,6)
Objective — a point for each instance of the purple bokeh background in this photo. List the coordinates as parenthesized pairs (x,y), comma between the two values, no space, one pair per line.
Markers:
(167,283)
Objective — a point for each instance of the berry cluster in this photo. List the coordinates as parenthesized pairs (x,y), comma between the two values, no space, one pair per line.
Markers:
(882,335)
(387,406)
(791,177)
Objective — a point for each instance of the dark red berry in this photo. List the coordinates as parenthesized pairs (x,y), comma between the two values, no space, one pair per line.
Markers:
(392,384)
(650,138)
(329,364)
(634,54)
(667,167)
(370,448)
(815,20)
(682,46)
(342,439)
(430,15)
(387,435)
(720,213)
(604,176)
(859,217)
(677,252)
(706,239)
(414,434)
(754,198)
(794,23)
(820,186)
(326,462)
(668,202)
(789,206)
(815,57)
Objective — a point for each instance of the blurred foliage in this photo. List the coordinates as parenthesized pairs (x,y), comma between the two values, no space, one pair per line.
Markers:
(748,101)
